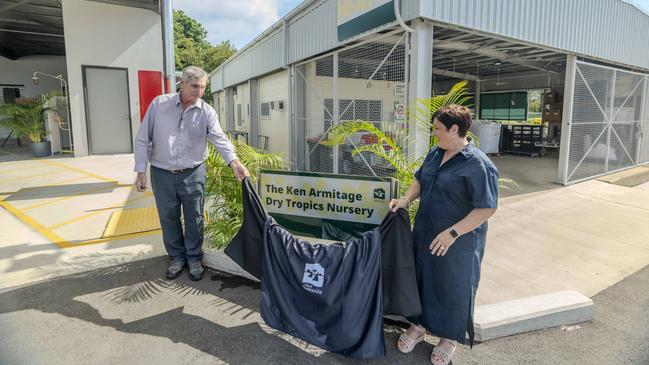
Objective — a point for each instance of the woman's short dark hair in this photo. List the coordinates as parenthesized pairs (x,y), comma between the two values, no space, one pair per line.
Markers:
(454,114)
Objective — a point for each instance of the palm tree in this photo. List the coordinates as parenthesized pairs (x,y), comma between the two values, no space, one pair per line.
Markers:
(419,115)
(390,141)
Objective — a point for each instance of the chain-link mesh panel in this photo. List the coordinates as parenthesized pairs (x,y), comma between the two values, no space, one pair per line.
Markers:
(587,151)
(317,113)
(370,87)
(625,125)
(644,149)
(623,146)
(606,121)
(590,118)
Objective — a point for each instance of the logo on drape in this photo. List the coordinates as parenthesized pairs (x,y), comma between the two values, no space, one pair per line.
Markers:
(313,278)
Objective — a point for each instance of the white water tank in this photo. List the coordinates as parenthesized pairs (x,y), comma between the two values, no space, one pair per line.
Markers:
(489,135)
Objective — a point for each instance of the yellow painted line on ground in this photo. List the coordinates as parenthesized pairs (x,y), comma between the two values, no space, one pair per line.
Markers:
(58,240)
(99,211)
(32,176)
(53,237)
(79,170)
(73,196)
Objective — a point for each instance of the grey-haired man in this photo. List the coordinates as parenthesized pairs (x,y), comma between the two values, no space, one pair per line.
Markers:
(173,139)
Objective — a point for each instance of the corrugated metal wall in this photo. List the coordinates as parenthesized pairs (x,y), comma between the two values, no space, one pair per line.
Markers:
(313,33)
(609,30)
(262,58)
(309,33)
(605,29)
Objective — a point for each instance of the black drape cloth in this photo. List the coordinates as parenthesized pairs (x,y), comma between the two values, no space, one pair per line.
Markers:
(400,292)
(326,294)
(246,248)
(260,239)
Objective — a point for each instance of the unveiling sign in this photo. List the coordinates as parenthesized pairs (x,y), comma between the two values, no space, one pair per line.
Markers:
(313,199)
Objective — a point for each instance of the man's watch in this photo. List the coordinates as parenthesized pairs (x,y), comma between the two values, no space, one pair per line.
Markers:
(453,233)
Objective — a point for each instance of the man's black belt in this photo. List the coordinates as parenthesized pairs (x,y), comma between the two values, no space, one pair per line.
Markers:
(187,169)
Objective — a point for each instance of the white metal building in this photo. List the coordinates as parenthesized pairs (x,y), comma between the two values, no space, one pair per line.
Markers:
(107,52)
(334,60)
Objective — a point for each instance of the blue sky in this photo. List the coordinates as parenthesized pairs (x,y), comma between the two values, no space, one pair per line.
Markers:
(240,21)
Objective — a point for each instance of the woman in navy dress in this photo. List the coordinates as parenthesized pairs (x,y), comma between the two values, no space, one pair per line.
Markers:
(457,187)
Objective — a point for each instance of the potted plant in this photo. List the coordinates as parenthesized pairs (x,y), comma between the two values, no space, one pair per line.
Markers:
(26,118)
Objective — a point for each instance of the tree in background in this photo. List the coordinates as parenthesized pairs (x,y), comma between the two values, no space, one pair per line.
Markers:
(192,48)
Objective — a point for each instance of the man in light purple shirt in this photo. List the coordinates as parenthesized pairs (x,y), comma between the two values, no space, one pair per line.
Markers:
(173,139)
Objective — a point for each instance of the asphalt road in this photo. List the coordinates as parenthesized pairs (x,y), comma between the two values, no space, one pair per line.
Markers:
(129,314)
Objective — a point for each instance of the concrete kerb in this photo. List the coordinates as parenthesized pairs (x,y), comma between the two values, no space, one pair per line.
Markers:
(490,321)
(531,314)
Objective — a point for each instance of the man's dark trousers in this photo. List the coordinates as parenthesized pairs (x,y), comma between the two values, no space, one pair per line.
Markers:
(175,191)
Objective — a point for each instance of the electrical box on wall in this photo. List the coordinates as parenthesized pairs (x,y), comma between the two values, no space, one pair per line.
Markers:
(280,105)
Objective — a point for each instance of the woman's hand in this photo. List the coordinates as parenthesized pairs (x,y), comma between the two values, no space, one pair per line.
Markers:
(395,204)
(441,243)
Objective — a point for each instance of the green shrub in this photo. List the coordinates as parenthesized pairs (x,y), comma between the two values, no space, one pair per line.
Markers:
(223,192)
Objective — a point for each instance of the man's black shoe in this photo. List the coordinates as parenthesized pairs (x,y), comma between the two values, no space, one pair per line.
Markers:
(175,268)
(195,270)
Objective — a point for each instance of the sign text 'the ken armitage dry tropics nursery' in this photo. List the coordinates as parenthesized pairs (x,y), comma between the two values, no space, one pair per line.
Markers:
(344,198)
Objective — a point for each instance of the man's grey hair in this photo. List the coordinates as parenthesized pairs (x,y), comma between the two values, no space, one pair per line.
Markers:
(193,73)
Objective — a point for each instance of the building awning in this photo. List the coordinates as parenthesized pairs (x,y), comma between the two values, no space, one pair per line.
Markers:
(35,27)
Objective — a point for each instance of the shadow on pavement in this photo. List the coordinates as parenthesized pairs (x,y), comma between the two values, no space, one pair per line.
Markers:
(61,191)
(143,282)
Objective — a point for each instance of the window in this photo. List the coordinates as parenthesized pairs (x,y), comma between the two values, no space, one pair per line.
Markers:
(239,116)
(504,106)
(265,110)
(10,93)
(354,109)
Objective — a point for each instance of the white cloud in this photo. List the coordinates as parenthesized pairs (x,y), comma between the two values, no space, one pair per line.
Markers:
(238,21)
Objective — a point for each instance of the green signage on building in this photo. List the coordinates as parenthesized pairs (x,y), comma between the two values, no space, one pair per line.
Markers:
(325,205)
(358,16)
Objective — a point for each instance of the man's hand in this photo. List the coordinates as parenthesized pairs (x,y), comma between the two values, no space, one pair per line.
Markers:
(140,182)
(239,170)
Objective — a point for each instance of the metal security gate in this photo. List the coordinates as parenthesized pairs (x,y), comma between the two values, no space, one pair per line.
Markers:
(644,135)
(364,82)
(607,122)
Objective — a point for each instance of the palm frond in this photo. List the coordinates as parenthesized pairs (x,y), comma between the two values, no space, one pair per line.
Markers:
(223,191)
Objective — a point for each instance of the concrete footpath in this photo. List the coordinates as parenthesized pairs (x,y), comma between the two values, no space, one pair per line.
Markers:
(129,314)
(585,237)
(68,292)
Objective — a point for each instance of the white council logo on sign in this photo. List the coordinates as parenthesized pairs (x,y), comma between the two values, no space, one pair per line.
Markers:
(313,277)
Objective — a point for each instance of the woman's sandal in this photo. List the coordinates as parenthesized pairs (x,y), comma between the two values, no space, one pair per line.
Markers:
(440,355)
(406,343)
